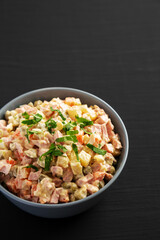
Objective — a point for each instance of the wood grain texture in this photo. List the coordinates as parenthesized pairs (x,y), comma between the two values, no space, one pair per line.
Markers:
(108,48)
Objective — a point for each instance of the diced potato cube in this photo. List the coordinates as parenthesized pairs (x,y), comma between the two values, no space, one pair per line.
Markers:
(59,125)
(71,101)
(86,116)
(2,144)
(92,114)
(74,111)
(76,168)
(32,153)
(72,156)
(41,162)
(88,150)
(84,108)
(69,148)
(9,127)
(81,193)
(84,158)
(99,158)
(5,154)
(37,103)
(1,133)
(62,161)
(85,138)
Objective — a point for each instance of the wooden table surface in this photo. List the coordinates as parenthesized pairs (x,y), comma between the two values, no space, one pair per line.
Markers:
(108,48)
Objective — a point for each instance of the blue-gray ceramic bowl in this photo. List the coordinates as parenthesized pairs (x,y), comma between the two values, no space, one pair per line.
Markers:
(72,208)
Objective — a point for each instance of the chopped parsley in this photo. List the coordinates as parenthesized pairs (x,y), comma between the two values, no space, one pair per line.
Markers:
(67,138)
(72,132)
(30,122)
(50,124)
(25,115)
(83,121)
(30,133)
(53,151)
(86,131)
(75,149)
(96,150)
(59,112)
(62,147)
(69,126)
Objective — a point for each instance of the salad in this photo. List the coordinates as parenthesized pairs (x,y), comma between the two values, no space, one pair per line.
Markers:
(57,151)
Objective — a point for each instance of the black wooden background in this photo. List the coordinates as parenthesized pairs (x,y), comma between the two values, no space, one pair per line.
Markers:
(110,48)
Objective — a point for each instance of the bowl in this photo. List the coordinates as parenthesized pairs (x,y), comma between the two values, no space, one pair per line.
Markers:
(71,208)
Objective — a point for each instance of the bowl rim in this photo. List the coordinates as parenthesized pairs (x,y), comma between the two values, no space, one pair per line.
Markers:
(8,194)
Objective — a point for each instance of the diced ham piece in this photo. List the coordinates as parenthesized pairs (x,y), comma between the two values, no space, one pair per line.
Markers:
(5,167)
(10,183)
(22,184)
(25,194)
(68,175)
(55,195)
(98,175)
(26,160)
(109,147)
(96,166)
(116,143)
(104,132)
(102,119)
(56,171)
(23,172)
(108,176)
(57,181)
(4,128)
(16,146)
(7,140)
(83,180)
(110,128)
(99,111)
(96,128)
(26,108)
(33,188)
(33,176)
(27,144)
(42,151)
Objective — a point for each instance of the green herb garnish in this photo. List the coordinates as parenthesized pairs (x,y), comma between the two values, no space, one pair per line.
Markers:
(86,131)
(50,124)
(75,149)
(32,166)
(83,121)
(53,151)
(67,138)
(25,115)
(69,126)
(62,147)
(30,122)
(72,132)
(96,150)
(60,114)
(30,133)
